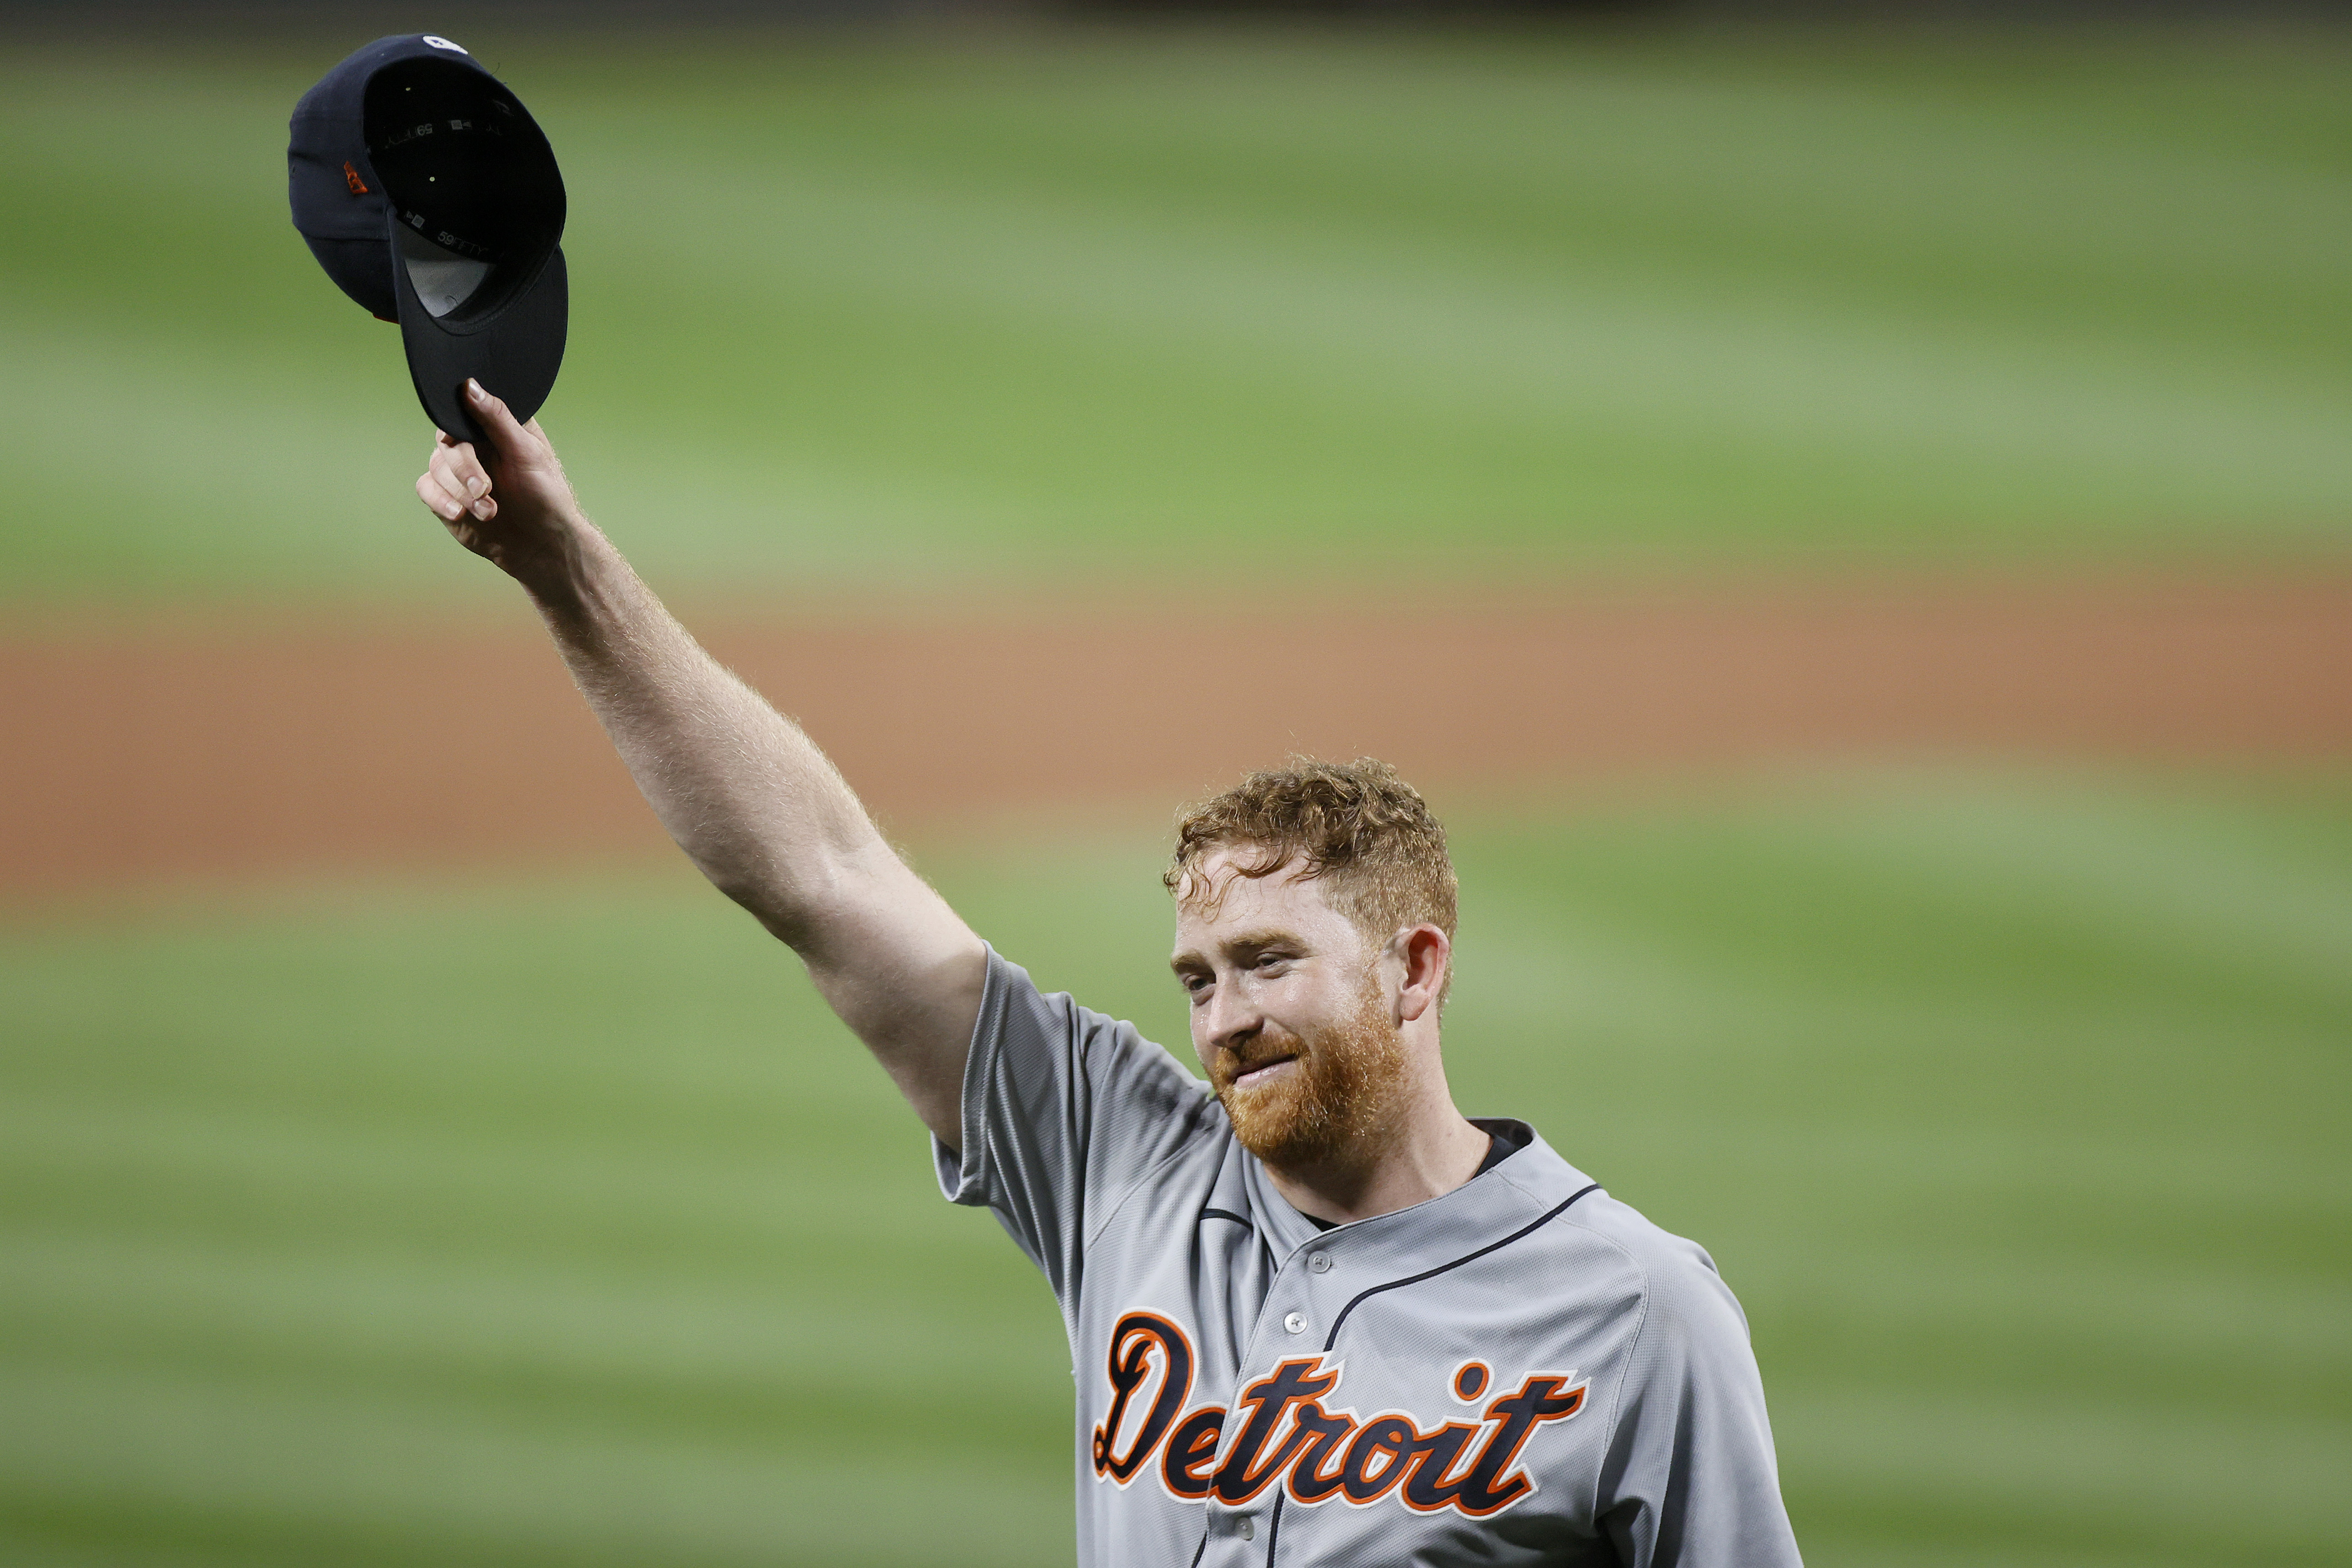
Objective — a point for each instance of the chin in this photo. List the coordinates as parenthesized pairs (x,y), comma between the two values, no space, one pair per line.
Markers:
(1338,1107)
(1282,1124)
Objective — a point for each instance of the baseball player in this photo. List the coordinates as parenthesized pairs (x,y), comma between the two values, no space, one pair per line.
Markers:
(1315,1314)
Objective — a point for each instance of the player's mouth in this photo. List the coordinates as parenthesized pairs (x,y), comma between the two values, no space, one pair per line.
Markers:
(1263,1073)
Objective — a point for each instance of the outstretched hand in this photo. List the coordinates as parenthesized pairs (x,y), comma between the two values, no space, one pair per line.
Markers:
(512,506)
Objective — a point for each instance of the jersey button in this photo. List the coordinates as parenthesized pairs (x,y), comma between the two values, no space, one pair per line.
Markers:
(1319,1261)
(1249,1530)
(1295,1323)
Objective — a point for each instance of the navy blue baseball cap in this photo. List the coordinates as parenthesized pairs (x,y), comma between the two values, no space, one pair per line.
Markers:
(431,197)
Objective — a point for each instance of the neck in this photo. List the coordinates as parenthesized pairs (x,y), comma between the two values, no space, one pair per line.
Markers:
(1428,1151)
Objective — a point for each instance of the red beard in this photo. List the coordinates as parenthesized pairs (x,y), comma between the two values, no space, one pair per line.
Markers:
(1335,1106)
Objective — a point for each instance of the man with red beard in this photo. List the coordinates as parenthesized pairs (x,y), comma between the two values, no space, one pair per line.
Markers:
(1316,1314)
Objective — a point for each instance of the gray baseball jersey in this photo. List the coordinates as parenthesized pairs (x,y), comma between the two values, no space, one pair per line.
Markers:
(1523,1371)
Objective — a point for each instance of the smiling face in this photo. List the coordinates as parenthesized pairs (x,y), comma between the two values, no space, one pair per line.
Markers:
(1293,1016)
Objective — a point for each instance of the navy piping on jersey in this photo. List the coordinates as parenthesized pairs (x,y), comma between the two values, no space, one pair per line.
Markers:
(1333,1336)
(1274,1522)
(1498,1149)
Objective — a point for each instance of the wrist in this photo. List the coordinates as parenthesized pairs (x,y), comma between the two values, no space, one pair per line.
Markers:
(561,574)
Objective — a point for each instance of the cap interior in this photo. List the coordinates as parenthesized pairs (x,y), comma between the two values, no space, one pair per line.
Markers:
(443,279)
(472,185)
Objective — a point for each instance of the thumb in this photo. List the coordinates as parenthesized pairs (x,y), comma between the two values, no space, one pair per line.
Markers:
(497,420)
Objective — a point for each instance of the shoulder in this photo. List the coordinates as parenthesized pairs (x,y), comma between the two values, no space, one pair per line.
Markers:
(1624,1281)
(1679,1283)
(1671,1264)
(1043,1065)
(1681,1338)
(1015,1011)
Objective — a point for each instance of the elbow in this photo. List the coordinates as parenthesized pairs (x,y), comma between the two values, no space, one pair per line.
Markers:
(796,908)
(786,918)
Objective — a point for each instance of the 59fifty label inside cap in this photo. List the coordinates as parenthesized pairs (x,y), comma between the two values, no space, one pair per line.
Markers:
(447,239)
(443,278)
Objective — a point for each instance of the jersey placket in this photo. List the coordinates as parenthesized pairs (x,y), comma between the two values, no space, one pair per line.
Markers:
(1283,1366)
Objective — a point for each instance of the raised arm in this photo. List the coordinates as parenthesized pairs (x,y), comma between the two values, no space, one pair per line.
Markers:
(745,793)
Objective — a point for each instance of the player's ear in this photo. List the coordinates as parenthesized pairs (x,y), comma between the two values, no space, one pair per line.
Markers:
(1427,955)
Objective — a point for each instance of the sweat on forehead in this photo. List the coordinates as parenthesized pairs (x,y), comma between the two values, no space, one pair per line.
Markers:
(1203,887)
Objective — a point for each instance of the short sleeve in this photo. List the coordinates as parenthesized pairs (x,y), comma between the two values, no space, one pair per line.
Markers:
(1064,1111)
(1690,1476)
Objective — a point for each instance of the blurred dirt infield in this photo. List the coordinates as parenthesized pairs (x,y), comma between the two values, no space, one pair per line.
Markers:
(139,755)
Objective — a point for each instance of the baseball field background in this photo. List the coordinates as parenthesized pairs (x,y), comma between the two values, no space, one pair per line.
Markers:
(386,1178)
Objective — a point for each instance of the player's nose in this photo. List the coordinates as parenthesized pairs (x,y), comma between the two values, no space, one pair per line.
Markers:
(1232,1025)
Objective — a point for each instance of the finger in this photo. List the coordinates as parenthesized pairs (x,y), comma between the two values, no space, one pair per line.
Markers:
(441,504)
(459,473)
(481,506)
(461,469)
(505,431)
(446,482)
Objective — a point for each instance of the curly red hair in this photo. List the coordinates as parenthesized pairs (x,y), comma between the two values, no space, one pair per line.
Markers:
(1356,824)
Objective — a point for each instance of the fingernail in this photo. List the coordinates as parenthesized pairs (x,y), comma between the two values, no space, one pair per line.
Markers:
(474,390)
(476,485)
(482,510)
(451,510)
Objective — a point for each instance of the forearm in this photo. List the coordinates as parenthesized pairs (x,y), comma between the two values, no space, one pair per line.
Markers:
(768,818)
(749,797)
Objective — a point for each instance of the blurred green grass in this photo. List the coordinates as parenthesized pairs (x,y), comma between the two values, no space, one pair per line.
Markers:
(557,1224)
(1031,303)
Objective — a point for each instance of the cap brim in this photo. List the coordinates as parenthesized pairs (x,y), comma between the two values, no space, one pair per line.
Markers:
(515,353)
